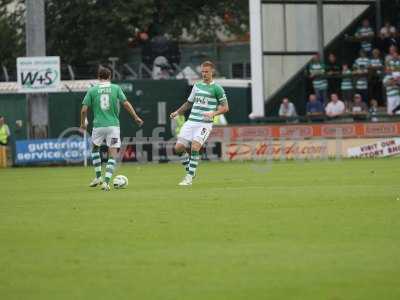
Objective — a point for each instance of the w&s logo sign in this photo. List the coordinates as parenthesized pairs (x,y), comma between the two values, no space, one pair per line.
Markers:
(38,74)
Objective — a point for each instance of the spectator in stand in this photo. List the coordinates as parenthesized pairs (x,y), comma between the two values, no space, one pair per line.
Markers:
(347,84)
(174,54)
(388,38)
(358,109)
(396,110)
(387,30)
(335,107)
(394,64)
(365,34)
(287,109)
(143,41)
(376,61)
(360,67)
(333,71)
(392,53)
(314,107)
(316,70)
(392,92)
(161,68)
(373,110)
(4,132)
(376,71)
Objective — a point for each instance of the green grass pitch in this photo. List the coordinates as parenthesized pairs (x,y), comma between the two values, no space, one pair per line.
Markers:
(311,230)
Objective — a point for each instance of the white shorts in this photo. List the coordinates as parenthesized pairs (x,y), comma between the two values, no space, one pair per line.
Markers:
(392,103)
(110,134)
(194,131)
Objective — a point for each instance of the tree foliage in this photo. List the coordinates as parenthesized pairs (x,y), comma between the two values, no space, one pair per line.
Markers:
(201,19)
(92,30)
(81,31)
(11,34)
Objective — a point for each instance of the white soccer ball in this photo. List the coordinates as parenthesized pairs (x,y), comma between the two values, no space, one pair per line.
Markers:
(120,182)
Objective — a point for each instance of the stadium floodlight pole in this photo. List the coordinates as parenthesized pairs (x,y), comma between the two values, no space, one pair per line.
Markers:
(321,28)
(378,21)
(38,110)
(257,65)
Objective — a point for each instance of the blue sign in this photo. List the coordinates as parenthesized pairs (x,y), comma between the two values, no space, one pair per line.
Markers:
(66,150)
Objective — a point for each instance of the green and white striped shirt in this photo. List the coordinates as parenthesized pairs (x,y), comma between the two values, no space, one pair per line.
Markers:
(347,81)
(318,69)
(362,63)
(376,63)
(394,64)
(391,90)
(365,32)
(205,97)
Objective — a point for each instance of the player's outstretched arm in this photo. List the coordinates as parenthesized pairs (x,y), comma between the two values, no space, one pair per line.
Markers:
(129,108)
(84,111)
(181,110)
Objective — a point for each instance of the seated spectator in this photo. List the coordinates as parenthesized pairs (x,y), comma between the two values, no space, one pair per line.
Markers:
(376,63)
(392,91)
(392,51)
(387,30)
(376,68)
(4,132)
(333,71)
(316,70)
(144,43)
(174,53)
(373,110)
(394,64)
(314,107)
(360,67)
(347,84)
(358,109)
(335,107)
(365,34)
(384,37)
(392,40)
(161,68)
(159,45)
(287,109)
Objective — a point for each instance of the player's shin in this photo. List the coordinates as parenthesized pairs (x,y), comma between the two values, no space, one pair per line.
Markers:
(193,163)
(182,151)
(185,161)
(110,169)
(96,160)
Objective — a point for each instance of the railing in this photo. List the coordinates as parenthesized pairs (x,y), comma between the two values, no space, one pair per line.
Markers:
(133,71)
(370,73)
(345,118)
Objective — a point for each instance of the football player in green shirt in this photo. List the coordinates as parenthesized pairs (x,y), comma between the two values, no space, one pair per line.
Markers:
(206,101)
(104,99)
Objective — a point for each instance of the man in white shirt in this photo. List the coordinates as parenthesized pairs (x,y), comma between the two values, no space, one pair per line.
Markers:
(335,107)
(387,30)
(287,109)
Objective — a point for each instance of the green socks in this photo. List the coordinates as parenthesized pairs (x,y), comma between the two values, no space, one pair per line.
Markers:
(110,169)
(96,160)
(193,163)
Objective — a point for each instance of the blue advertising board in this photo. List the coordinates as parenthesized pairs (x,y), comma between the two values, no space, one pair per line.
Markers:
(65,150)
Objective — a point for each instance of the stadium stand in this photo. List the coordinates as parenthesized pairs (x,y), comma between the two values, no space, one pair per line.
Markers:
(356,61)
